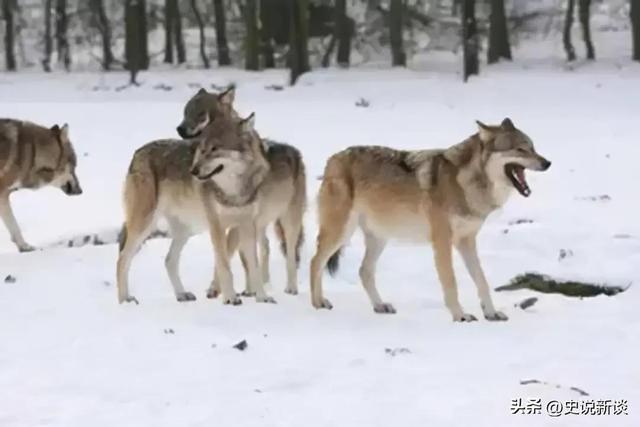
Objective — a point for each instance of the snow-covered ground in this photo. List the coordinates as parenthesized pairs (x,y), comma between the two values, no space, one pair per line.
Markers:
(70,356)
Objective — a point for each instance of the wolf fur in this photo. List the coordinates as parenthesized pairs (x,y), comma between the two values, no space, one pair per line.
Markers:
(33,156)
(437,196)
(255,187)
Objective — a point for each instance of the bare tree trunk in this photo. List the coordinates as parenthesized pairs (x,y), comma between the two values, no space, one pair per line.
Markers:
(203,40)
(136,50)
(104,28)
(584,13)
(635,28)
(396,12)
(298,38)
(470,42)
(62,41)
(221,33)
(48,42)
(266,33)
(177,33)
(8,9)
(251,43)
(343,33)
(566,38)
(169,10)
(498,33)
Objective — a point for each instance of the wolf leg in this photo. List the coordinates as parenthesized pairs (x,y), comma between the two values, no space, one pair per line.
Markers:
(444,266)
(232,246)
(264,255)
(374,247)
(12,225)
(180,236)
(248,235)
(467,248)
(135,234)
(291,227)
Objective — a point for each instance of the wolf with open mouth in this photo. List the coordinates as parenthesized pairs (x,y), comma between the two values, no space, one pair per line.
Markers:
(440,196)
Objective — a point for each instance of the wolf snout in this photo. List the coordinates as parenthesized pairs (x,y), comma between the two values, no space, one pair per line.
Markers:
(195,171)
(182,131)
(72,189)
(545,164)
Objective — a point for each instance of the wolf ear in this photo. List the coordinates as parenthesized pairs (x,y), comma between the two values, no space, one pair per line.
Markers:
(228,96)
(507,124)
(202,91)
(55,129)
(486,132)
(247,125)
(64,132)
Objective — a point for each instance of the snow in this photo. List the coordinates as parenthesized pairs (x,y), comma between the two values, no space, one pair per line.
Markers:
(71,356)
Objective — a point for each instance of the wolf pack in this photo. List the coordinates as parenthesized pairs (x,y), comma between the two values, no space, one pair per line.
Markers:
(221,176)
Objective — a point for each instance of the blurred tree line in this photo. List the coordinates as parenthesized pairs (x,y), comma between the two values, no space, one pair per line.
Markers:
(261,34)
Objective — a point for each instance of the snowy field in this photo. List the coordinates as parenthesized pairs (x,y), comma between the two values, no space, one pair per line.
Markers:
(70,356)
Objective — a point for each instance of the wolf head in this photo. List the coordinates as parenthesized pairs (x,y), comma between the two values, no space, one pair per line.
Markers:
(55,162)
(510,151)
(228,147)
(202,109)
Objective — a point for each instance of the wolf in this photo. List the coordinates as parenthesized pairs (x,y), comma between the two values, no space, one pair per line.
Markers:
(203,108)
(227,180)
(199,111)
(440,196)
(33,156)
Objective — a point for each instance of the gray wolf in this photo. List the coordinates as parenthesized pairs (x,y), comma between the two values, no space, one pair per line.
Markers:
(438,196)
(227,181)
(203,108)
(33,156)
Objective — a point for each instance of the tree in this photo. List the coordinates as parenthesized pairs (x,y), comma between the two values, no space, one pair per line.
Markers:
(101,22)
(136,49)
(62,40)
(8,9)
(566,38)
(203,40)
(584,13)
(498,33)
(635,26)
(221,33)
(298,38)
(48,42)
(251,48)
(343,33)
(267,9)
(470,42)
(396,12)
(173,32)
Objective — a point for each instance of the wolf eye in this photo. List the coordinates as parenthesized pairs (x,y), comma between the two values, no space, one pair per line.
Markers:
(522,150)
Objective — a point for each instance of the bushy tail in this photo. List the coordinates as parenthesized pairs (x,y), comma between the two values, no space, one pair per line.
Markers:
(279,229)
(334,262)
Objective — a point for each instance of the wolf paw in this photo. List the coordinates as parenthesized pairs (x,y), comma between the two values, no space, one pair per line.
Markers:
(247,294)
(129,299)
(496,316)
(25,247)
(384,308)
(213,293)
(233,301)
(291,291)
(324,303)
(464,317)
(185,296)
(267,299)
